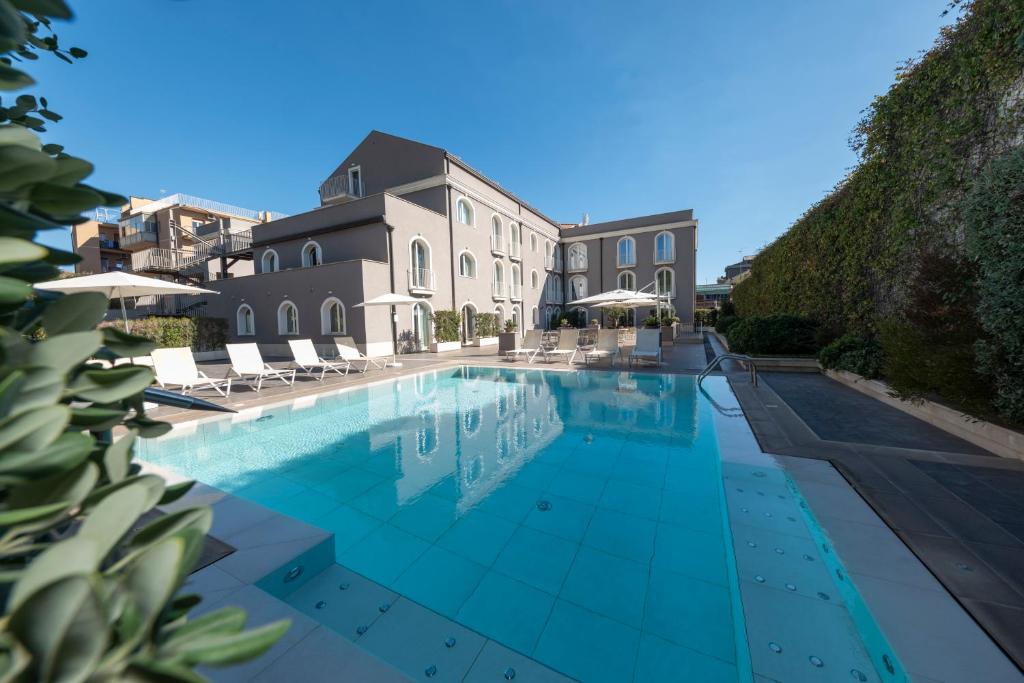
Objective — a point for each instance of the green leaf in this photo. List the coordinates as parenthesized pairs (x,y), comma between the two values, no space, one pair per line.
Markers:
(10,390)
(114,516)
(59,257)
(97,418)
(33,430)
(21,166)
(26,102)
(77,52)
(61,201)
(75,556)
(117,457)
(148,429)
(107,386)
(176,491)
(50,115)
(65,351)
(13,291)
(126,345)
(12,28)
(75,313)
(68,450)
(14,658)
(152,484)
(71,170)
(43,387)
(22,515)
(14,250)
(15,135)
(71,486)
(52,148)
(57,9)
(198,518)
(225,621)
(232,649)
(150,580)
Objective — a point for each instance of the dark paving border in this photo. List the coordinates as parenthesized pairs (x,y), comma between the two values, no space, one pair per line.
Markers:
(956,509)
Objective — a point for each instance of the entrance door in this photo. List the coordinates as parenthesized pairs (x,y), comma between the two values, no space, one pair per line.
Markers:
(468,324)
(421,326)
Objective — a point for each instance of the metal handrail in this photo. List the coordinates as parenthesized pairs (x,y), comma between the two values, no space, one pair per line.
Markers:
(729,356)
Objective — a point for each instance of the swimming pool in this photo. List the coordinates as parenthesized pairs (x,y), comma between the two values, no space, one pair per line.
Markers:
(580,518)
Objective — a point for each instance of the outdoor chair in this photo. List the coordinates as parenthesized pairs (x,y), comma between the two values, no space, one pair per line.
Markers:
(648,347)
(175,367)
(348,352)
(567,346)
(309,361)
(607,347)
(531,346)
(247,363)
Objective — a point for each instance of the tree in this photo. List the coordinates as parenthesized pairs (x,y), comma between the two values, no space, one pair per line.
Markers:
(83,597)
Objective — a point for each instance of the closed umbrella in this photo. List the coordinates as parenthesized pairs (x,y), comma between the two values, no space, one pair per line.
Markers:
(390,299)
(117,284)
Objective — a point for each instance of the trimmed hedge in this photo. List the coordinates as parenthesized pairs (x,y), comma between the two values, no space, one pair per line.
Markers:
(447,324)
(486,325)
(725,322)
(199,334)
(854,354)
(773,334)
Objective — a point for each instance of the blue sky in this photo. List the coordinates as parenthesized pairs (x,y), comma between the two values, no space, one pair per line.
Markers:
(739,110)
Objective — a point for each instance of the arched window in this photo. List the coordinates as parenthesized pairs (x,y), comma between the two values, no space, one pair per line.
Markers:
(498,279)
(536,316)
(626,252)
(665,282)
(420,275)
(497,241)
(245,322)
(467,264)
(312,255)
(514,240)
(627,280)
(270,263)
(533,242)
(517,318)
(517,282)
(577,287)
(577,257)
(664,248)
(332,317)
(464,211)
(499,316)
(421,325)
(287,318)
(534,279)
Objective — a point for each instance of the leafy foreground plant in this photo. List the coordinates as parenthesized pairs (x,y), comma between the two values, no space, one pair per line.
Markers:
(83,598)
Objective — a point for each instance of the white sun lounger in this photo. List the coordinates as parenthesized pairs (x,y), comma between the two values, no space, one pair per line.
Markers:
(247,363)
(176,367)
(348,352)
(648,347)
(308,360)
(567,345)
(607,347)
(531,346)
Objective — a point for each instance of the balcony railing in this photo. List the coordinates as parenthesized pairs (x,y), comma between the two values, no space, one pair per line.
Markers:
(421,281)
(497,244)
(558,263)
(339,188)
(577,264)
(130,239)
(549,262)
(109,244)
(498,290)
(515,250)
(515,291)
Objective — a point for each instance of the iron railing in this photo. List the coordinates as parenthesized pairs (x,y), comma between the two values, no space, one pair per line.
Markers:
(340,187)
(422,279)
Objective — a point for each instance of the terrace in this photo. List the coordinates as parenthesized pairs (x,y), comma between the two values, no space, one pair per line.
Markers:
(922,523)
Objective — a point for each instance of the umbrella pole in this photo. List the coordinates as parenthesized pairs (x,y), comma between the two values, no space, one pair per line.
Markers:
(124,313)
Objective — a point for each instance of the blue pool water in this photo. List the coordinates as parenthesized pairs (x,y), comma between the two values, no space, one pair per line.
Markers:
(577,518)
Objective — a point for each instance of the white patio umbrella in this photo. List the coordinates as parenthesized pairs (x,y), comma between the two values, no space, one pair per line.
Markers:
(637,302)
(608,297)
(120,285)
(390,299)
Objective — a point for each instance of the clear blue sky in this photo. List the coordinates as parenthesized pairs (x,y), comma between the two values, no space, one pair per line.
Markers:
(739,110)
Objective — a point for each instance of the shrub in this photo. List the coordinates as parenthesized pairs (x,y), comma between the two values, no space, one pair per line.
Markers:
(725,322)
(994,226)
(446,325)
(853,354)
(510,325)
(773,334)
(486,325)
(616,316)
(651,321)
(200,334)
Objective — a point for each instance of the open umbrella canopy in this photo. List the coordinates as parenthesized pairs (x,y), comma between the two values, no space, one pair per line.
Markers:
(117,284)
(388,299)
(606,297)
(637,302)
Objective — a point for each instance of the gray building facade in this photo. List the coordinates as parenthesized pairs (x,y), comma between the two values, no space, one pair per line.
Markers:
(400,216)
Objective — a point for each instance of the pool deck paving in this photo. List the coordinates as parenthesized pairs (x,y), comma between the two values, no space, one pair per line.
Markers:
(955,507)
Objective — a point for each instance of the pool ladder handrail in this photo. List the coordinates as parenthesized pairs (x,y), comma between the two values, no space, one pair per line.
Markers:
(730,356)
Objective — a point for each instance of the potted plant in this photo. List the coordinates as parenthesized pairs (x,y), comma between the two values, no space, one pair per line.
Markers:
(669,323)
(446,331)
(564,323)
(486,330)
(509,339)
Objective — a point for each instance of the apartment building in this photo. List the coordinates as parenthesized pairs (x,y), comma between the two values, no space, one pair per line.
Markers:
(401,216)
(98,242)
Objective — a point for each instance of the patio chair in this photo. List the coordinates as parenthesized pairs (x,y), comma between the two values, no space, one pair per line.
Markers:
(648,347)
(175,367)
(531,346)
(308,360)
(607,347)
(567,346)
(247,363)
(348,352)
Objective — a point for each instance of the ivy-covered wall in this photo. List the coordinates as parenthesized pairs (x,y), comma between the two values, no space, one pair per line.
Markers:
(851,261)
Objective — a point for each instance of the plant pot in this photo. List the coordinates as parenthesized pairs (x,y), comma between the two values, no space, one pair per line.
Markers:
(508,341)
(442,347)
(668,335)
(485,341)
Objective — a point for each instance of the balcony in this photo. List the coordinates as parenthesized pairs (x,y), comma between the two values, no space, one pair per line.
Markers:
(577,264)
(340,189)
(515,292)
(143,239)
(158,260)
(497,245)
(498,290)
(515,250)
(549,263)
(109,244)
(422,281)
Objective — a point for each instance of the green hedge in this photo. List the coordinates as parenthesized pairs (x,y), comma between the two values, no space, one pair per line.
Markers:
(447,325)
(854,354)
(773,335)
(200,334)
(850,261)
(725,322)
(486,325)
